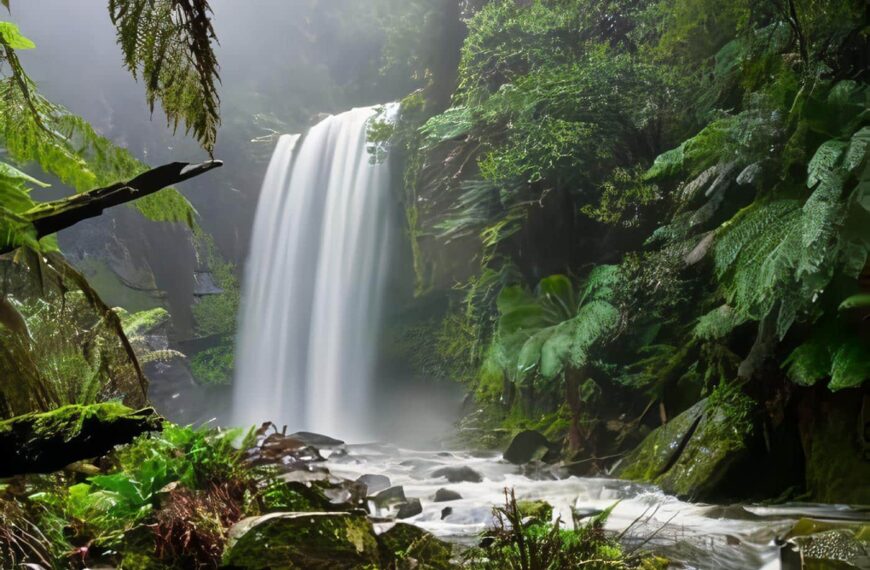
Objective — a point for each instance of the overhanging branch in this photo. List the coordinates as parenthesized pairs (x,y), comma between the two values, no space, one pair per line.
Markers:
(51,217)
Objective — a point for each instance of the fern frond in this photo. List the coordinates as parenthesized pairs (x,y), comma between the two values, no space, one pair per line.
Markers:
(169,43)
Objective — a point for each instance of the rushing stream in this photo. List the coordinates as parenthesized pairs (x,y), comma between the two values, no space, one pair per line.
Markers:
(314,284)
(738,537)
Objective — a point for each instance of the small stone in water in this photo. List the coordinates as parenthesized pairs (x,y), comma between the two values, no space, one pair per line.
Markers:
(444,495)
(409,509)
(446,512)
(458,474)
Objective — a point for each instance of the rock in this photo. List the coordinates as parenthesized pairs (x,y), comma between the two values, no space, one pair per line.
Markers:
(389,497)
(316,439)
(658,451)
(581,513)
(703,463)
(540,510)
(409,509)
(407,546)
(529,446)
(446,512)
(690,456)
(47,442)
(830,549)
(288,541)
(444,495)
(374,483)
(458,474)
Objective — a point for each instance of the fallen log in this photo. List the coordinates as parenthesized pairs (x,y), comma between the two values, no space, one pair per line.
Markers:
(48,442)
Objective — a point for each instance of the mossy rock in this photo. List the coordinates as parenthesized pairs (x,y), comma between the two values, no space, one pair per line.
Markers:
(406,546)
(296,541)
(660,449)
(690,456)
(47,442)
(704,462)
(541,510)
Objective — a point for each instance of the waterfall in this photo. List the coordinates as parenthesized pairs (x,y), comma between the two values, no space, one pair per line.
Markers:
(313,287)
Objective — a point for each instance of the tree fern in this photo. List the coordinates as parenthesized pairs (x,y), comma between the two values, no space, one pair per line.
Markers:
(169,43)
(540,335)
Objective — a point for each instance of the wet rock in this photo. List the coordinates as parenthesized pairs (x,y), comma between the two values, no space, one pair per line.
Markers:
(316,439)
(703,463)
(47,442)
(409,509)
(444,495)
(302,540)
(691,455)
(405,546)
(581,513)
(374,483)
(389,497)
(529,446)
(458,474)
(831,549)
(446,512)
(660,449)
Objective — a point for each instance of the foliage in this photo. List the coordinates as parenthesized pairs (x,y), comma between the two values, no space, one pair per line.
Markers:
(544,334)
(169,44)
(215,315)
(716,156)
(522,544)
(34,129)
(214,365)
(108,507)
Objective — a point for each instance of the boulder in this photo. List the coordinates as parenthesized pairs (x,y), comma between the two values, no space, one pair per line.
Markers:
(405,546)
(408,509)
(818,545)
(316,439)
(529,446)
(47,442)
(374,483)
(309,541)
(444,495)
(389,497)
(660,449)
(691,455)
(458,474)
(704,462)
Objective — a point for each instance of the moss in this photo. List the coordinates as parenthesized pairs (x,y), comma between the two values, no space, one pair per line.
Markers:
(46,442)
(407,546)
(541,510)
(303,541)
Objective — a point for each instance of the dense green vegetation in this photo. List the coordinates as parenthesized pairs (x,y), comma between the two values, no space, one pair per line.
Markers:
(639,228)
(646,203)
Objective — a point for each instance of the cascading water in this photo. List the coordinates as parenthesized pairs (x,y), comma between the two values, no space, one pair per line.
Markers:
(313,288)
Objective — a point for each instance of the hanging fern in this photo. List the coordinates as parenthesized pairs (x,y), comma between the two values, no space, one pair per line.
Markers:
(169,44)
(33,129)
(782,254)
